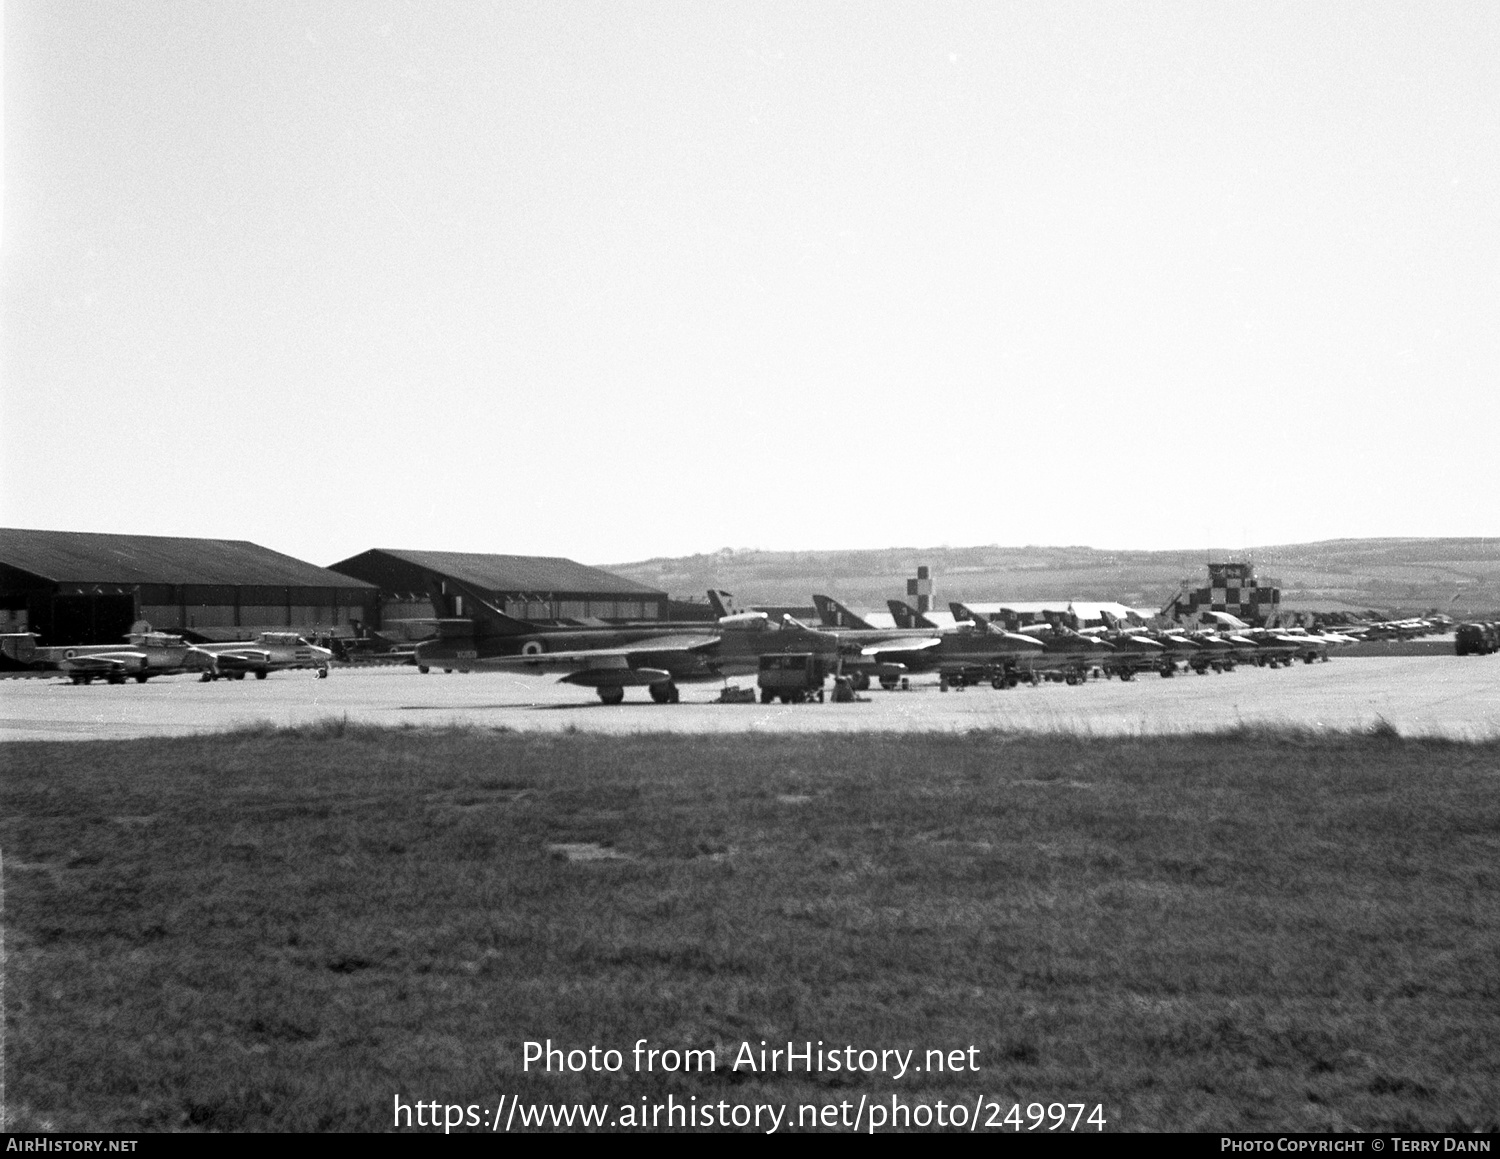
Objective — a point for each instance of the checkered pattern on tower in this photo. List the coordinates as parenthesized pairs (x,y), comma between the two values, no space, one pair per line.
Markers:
(1232,588)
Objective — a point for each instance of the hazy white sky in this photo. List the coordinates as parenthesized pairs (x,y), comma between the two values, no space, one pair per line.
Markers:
(613,280)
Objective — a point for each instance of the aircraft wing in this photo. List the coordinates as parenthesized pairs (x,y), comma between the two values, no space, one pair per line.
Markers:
(618,657)
(105,662)
(895,647)
(242,656)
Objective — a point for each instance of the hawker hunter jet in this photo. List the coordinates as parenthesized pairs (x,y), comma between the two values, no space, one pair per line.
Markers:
(960,654)
(1270,646)
(1067,655)
(609,660)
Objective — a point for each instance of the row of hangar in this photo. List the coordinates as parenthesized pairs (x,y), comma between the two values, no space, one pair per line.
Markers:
(71,587)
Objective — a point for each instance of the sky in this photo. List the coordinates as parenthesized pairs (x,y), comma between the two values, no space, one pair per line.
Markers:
(617,280)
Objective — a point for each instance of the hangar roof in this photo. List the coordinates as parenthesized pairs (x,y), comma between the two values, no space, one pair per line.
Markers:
(84,556)
(517,573)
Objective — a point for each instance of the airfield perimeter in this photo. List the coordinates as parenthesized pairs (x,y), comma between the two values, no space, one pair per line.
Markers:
(1439,695)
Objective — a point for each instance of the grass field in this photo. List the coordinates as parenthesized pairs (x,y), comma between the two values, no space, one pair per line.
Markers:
(286,929)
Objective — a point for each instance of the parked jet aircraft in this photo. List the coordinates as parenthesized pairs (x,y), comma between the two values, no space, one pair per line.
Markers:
(885,653)
(1135,650)
(147,654)
(1067,655)
(960,655)
(268,652)
(609,660)
(1271,646)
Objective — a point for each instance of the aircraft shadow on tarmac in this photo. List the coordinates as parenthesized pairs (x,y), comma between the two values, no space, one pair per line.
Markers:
(515,704)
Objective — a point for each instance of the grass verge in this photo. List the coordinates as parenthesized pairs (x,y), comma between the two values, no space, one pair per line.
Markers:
(271,929)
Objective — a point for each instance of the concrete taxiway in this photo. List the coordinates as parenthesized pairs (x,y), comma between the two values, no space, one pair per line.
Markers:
(1427,695)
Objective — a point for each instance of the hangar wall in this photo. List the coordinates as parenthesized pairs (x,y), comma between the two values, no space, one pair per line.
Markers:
(87,588)
(413,585)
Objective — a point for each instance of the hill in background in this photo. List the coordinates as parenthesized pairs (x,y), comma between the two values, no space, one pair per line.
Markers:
(1459,576)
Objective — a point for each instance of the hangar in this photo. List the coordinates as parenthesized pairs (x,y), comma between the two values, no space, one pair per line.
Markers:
(528,587)
(75,587)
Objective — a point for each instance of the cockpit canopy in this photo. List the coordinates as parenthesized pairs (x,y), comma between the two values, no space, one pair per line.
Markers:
(288,639)
(748,622)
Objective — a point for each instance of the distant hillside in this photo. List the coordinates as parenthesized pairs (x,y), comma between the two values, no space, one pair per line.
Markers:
(1460,576)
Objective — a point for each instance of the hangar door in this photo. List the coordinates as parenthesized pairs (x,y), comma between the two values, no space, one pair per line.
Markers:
(89,619)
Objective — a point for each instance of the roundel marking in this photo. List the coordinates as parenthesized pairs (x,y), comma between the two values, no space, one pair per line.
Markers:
(69,654)
(532,648)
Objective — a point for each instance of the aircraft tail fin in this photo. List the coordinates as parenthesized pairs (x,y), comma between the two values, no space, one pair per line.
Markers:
(835,615)
(488,619)
(907,616)
(723,603)
(963,612)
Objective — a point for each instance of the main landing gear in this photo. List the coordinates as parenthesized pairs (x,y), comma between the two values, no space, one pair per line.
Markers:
(664,693)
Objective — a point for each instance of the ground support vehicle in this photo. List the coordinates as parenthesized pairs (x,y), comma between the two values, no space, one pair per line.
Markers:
(1477,639)
(1002,674)
(792,677)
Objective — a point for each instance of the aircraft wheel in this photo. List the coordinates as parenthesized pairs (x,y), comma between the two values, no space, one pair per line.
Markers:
(890,683)
(942,684)
(766,696)
(141,677)
(1127,676)
(663,693)
(998,683)
(448,671)
(116,678)
(79,680)
(1308,659)
(261,675)
(612,693)
(239,676)
(820,696)
(322,674)
(423,669)
(205,678)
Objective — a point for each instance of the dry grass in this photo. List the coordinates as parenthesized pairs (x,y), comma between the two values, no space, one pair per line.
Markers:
(283,929)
